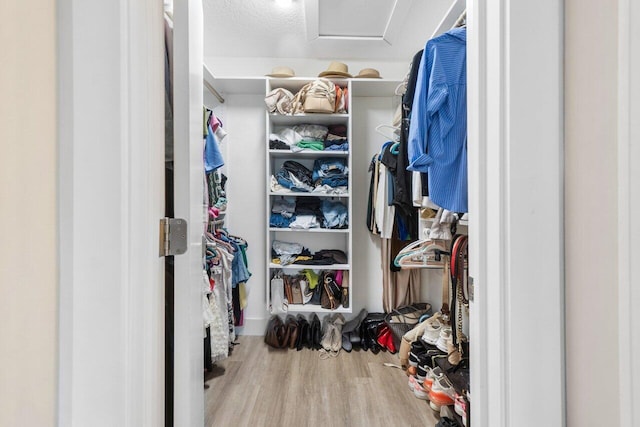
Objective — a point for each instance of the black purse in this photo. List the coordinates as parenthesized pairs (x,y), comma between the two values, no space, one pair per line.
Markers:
(316,331)
(369,332)
(304,333)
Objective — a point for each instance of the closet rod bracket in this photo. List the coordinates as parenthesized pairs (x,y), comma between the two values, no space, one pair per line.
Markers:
(172,236)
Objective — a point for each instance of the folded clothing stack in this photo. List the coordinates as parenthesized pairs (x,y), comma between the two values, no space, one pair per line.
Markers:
(308,212)
(336,139)
(285,253)
(310,137)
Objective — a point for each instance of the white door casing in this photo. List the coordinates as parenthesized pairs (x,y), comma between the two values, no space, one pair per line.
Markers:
(188,392)
(628,210)
(111,195)
(515,196)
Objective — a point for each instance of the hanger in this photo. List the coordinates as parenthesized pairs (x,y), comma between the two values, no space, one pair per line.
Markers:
(401,88)
(420,254)
(395,137)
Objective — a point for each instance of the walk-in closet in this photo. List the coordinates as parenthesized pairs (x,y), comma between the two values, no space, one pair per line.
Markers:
(333,175)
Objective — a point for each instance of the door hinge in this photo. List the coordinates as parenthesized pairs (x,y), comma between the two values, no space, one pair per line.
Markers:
(173,236)
(471,288)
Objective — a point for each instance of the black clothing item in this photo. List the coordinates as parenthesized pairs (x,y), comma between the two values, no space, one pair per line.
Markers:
(308,206)
(407,98)
(396,165)
(278,145)
(339,130)
(370,201)
(299,171)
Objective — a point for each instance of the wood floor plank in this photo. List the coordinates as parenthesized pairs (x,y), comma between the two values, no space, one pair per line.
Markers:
(260,386)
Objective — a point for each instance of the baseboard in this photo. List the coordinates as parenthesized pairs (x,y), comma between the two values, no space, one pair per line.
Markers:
(253,327)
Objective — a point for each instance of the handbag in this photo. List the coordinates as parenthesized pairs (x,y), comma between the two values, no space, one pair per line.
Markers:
(403,319)
(318,96)
(316,332)
(304,333)
(279,303)
(291,332)
(369,332)
(332,293)
(275,335)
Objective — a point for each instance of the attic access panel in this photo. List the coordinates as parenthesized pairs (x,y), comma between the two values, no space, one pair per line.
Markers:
(370,20)
(354,18)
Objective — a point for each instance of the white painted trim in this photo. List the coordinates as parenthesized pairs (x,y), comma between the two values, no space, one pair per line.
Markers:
(397,17)
(396,20)
(311,13)
(513,203)
(628,211)
(110,185)
(188,167)
(450,18)
(144,303)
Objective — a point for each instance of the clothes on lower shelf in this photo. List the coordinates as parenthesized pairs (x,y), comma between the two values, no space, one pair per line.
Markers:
(308,212)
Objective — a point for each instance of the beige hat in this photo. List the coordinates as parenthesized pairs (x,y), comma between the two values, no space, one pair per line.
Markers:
(282,72)
(368,73)
(336,69)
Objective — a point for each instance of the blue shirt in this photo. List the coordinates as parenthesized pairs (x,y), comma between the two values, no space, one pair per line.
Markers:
(212,155)
(438,127)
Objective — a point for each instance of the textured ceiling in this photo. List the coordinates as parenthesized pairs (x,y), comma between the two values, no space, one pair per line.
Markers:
(264,28)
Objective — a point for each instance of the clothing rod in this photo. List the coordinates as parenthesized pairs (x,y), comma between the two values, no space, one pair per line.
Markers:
(213,91)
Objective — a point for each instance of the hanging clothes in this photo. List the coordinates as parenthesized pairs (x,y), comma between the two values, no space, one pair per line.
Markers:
(438,126)
(399,287)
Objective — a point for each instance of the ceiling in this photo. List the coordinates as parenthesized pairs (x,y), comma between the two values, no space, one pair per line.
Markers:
(320,29)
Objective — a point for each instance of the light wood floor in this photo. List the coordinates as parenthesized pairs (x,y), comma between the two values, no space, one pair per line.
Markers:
(260,386)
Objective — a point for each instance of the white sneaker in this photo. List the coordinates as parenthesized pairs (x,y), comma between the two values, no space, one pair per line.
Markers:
(432,332)
(420,392)
(441,343)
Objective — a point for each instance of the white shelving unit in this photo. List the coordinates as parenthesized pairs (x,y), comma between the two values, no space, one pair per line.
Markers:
(314,239)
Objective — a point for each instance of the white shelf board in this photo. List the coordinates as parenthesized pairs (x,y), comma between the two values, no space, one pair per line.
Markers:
(308,153)
(309,230)
(312,267)
(256,85)
(310,118)
(303,194)
(312,308)
(294,84)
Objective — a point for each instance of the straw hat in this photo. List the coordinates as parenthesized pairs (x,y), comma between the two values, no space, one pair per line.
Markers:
(282,72)
(368,73)
(336,69)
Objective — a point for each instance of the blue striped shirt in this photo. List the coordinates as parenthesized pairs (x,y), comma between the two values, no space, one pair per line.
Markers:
(438,127)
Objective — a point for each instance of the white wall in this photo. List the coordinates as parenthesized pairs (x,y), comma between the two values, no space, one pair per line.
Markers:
(28,253)
(591,212)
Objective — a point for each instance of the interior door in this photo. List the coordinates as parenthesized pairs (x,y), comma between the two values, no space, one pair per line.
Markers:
(188,393)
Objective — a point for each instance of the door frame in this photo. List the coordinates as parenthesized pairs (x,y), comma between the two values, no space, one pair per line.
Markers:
(505,94)
(516,206)
(628,211)
(110,104)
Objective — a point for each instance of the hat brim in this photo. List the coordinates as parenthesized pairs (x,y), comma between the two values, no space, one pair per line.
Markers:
(280,75)
(334,74)
(367,76)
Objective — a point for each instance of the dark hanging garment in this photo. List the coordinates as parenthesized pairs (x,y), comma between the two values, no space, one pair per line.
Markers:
(407,104)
